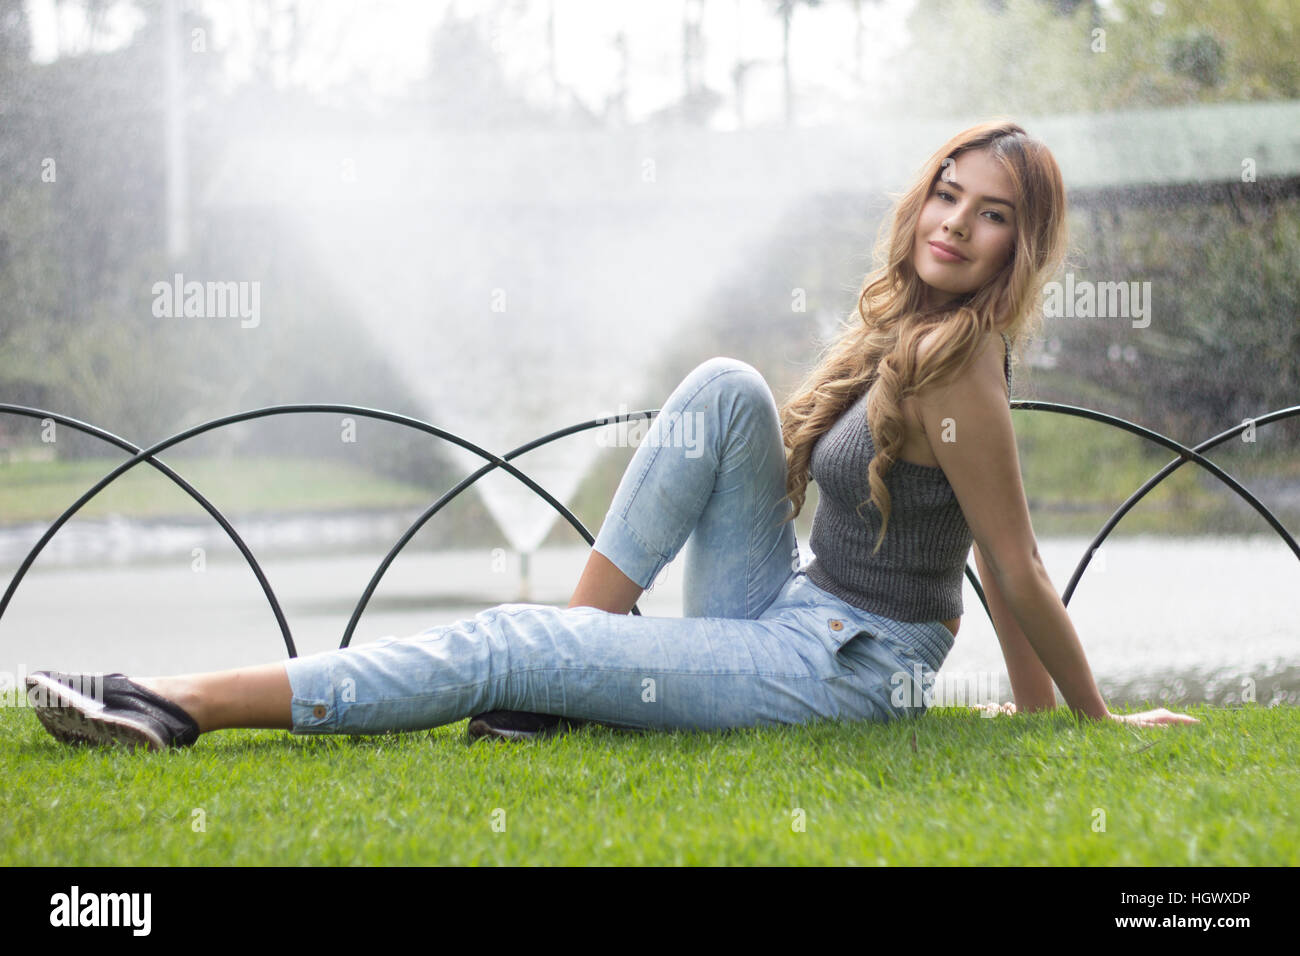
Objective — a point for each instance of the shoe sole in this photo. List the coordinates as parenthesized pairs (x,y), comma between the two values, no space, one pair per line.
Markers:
(73,718)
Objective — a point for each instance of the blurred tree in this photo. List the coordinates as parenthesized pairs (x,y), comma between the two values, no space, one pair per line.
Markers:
(785,10)
(859,31)
(15,36)
(1224,328)
(692,46)
(466,86)
(1223,340)
(81,237)
(1042,57)
(1197,54)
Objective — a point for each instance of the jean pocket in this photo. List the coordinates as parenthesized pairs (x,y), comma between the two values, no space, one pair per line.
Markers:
(877,675)
(905,681)
(858,650)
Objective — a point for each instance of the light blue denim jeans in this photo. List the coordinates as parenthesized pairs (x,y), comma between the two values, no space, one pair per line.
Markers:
(758,644)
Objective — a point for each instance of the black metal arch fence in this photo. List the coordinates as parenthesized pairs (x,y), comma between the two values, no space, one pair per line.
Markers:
(149,455)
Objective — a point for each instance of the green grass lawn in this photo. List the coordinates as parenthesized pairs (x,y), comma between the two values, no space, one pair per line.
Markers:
(950,788)
(37,490)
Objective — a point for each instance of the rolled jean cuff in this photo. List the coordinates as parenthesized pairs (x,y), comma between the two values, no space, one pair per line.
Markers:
(313,708)
(619,542)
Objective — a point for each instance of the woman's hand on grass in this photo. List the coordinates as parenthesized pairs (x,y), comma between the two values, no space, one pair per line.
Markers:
(1147,718)
(1154,718)
(992,710)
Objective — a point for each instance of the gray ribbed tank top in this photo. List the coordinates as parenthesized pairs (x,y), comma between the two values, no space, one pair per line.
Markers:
(917,573)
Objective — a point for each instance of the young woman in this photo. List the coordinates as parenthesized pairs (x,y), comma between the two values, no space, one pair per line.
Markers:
(905,425)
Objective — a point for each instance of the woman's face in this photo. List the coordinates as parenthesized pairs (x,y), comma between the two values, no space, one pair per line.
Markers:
(970,211)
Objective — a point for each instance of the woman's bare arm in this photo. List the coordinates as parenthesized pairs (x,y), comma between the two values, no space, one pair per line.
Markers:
(1031,685)
(968,425)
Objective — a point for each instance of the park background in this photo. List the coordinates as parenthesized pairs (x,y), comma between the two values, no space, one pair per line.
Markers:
(504,218)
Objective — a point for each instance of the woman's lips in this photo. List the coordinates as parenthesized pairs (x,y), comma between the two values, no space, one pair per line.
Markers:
(944,255)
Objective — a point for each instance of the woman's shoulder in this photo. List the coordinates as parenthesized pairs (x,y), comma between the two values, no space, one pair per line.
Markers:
(989,346)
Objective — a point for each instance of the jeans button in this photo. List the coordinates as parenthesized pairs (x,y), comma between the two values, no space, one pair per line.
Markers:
(318,710)
(836,624)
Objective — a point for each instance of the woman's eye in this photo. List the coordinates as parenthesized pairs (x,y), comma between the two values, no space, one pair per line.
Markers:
(948,197)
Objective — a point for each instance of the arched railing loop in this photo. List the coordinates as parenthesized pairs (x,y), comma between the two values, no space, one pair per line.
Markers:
(181,483)
(451,493)
(149,453)
(1185,454)
(138,454)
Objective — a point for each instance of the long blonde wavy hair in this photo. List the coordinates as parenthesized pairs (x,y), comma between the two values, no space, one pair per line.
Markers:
(880,344)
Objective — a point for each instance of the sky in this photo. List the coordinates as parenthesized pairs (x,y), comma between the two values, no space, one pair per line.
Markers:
(385,43)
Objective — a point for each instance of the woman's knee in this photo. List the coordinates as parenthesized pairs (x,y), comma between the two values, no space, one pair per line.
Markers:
(734,377)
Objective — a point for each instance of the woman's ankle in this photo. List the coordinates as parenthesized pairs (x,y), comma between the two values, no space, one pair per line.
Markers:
(180,691)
